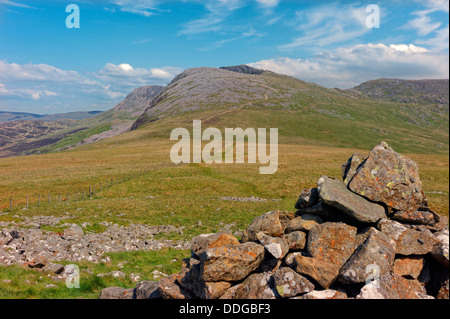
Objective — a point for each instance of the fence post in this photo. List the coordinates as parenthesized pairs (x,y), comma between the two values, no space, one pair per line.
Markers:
(68,198)
(39,200)
(27,201)
(59,198)
(10,204)
(49,199)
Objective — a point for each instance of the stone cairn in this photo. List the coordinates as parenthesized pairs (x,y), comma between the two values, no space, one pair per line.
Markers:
(370,235)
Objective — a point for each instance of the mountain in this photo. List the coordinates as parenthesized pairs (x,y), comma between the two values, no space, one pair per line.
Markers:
(22,116)
(406,91)
(412,116)
(123,115)
(225,88)
(62,131)
(305,112)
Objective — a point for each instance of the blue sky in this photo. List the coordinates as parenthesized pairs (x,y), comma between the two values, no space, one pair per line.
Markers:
(46,67)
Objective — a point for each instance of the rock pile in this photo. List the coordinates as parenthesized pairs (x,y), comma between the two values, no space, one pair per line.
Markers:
(369,236)
(40,249)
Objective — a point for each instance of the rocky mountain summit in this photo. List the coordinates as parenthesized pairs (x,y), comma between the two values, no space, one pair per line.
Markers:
(370,235)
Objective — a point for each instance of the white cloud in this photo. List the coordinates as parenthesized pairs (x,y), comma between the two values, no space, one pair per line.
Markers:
(42,84)
(25,92)
(126,76)
(145,8)
(39,72)
(441,5)
(15,4)
(423,23)
(349,66)
(437,34)
(440,42)
(268,3)
(328,24)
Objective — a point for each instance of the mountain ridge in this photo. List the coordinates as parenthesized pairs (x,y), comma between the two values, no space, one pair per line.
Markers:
(241,95)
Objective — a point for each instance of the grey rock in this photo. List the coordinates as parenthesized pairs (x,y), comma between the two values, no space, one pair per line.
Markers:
(389,178)
(408,241)
(116,293)
(332,242)
(288,283)
(231,263)
(278,247)
(334,193)
(272,223)
(376,255)
(256,286)
(440,251)
(295,240)
(147,290)
(303,223)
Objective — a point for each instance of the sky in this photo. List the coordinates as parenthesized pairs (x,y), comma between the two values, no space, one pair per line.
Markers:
(49,64)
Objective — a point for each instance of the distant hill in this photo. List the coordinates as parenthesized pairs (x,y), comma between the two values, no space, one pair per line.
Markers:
(21,116)
(406,91)
(26,133)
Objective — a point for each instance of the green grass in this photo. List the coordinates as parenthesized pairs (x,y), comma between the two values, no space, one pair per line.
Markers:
(75,138)
(31,284)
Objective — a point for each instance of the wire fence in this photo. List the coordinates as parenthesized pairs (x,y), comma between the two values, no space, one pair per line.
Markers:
(47,199)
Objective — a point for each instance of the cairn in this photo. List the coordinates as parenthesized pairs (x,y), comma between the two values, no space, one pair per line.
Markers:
(370,235)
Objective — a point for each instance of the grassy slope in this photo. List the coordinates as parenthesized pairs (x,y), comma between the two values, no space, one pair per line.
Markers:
(181,196)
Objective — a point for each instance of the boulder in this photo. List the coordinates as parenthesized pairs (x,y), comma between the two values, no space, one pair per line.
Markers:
(278,247)
(272,223)
(415,217)
(324,294)
(334,193)
(389,178)
(409,266)
(190,279)
(391,286)
(332,242)
(256,286)
(231,263)
(169,288)
(202,242)
(295,240)
(323,272)
(214,290)
(408,241)
(116,293)
(288,283)
(376,255)
(303,223)
(147,290)
(440,251)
